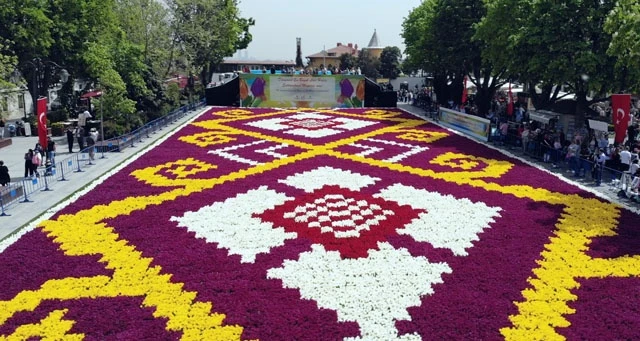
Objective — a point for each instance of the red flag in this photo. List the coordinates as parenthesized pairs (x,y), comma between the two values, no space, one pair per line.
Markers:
(464,91)
(621,105)
(510,102)
(42,121)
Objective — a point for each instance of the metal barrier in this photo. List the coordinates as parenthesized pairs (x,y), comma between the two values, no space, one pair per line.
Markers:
(22,192)
(579,167)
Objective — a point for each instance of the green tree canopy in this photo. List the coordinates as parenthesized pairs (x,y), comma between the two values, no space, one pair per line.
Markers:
(208,31)
(623,24)
(439,39)
(7,65)
(368,64)
(549,44)
(348,61)
(390,59)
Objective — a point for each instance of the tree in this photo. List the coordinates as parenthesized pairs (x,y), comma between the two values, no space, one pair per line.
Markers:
(368,64)
(390,62)
(7,65)
(147,24)
(531,49)
(208,31)
(348,61)
(299,62)
(119,111)
(439,39)
(54,35)
(623,24)
(408,67)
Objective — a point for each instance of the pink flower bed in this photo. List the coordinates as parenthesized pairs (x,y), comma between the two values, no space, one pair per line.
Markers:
(321,224)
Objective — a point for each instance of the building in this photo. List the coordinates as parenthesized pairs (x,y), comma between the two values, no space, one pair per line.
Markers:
(15,103)
(331,57)
(374,47)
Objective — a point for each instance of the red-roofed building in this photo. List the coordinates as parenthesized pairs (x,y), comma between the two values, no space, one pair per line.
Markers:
(331,57)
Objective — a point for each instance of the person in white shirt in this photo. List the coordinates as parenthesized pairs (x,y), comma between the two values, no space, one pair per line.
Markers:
(625,159)
(82,118)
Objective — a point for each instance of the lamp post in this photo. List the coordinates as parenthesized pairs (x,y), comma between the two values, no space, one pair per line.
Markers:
(102,125)
(324,58)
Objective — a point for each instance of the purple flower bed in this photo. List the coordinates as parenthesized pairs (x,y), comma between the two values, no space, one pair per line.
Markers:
(323,225)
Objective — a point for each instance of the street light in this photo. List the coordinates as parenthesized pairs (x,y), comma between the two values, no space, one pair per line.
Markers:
(324,58)
(102,124)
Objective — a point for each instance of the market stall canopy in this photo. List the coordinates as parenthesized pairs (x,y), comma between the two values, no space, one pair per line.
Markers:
(543,116)
(91,94)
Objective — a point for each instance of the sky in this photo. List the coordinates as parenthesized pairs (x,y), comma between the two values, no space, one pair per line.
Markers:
(322,23)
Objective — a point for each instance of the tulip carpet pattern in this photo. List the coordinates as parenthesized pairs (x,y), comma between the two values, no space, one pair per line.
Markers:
(306,224)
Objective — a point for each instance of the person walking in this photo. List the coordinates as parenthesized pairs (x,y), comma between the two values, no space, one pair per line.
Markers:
(91,141)
(2,124)
(5,179)
(38,149)
(28,163)
(70,139)
(600,158)
(51,151)
(36,161)
(80,137)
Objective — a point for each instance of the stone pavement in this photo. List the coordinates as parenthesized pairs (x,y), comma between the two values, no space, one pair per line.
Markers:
(606,190)
(22,213)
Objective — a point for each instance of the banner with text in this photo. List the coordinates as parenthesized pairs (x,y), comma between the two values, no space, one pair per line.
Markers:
(285,91)
(475,126)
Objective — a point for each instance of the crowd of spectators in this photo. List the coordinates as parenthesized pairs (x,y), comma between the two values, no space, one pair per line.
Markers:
(309,70)
(588,154)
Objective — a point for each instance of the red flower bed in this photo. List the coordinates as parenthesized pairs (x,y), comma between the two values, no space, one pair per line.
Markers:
(325,224)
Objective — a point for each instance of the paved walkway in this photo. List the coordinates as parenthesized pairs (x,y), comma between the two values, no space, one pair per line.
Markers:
(43,201)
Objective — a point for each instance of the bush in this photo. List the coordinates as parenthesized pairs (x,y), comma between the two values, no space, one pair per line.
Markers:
(57,129)
(59,115)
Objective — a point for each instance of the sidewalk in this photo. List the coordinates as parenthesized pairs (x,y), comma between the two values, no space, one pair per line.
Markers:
(41,202)
(604,190)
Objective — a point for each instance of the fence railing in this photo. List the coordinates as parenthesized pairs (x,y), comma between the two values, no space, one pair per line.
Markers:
(63,170)
(578,166)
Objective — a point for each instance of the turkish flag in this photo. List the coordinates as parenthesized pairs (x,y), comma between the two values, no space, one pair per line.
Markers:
(463,100)
(42,121)
(621,105)
(510,102)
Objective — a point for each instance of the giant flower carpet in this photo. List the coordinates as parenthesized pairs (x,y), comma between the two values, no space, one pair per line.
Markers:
(305,224)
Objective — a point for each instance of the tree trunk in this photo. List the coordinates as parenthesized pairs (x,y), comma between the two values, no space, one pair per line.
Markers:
(441,88)
(483,99)
(581,105)
(540,100)
(456,87)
